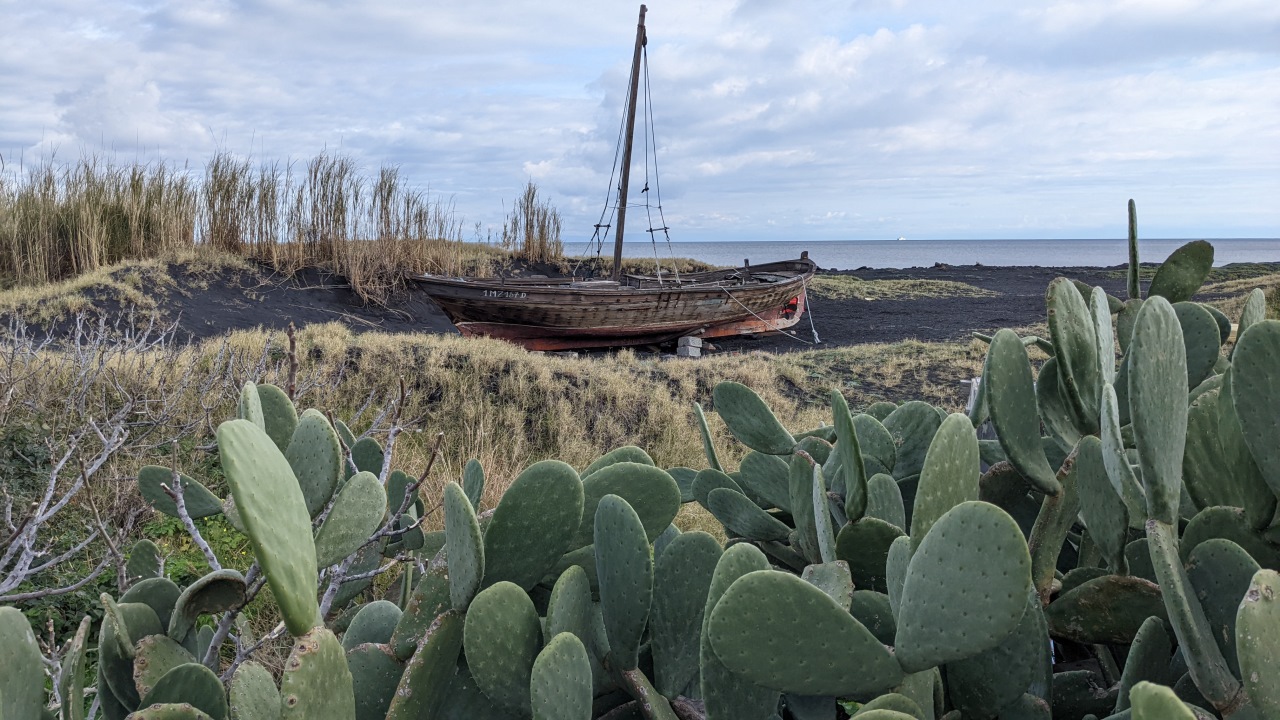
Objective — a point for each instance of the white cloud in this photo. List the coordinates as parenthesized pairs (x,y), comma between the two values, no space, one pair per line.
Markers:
(824,119)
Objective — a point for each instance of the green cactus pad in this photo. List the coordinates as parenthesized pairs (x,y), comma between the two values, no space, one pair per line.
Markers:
(161,594)
(144,562)
(1063,420)
(729,696)
(626,453)
(885,714)
(895,572)
(537,521)
(1237,466)
(356,514)
(1229,523)
(1011,397)
(648,490)
(423,692)
(501,638)
(708,443)
(317,684)
(170,711)
(560,683)
(911,426)
(1158,405)
(373,623)
(812,640)
(216,592)
(1254,311)
(155,656)
(872,609)
(569,607)
(1255,391)
(473,481)
(279,416)
(682,577)
(1195,636)
(199,501)
(711,479)
(766,477)
(893,701)
(70,679)
(21,668)
(750,419)
(878,449)
(367,456)
(999,676)
(852,467)
(832,578)
(1101,308)
(250,406)
(1182,274)
(315,457)
(1156,702)
(366,560)
(430,598)
(884,501)
(1101,508)
(253,694)
(1200,338)
(1202,460)
(684,477)
(822,522)
(1148,660)
(1107,609)
(625,570)
(193,684)
(949,476)
(742,517)
(1220,572)
(275,516)
(965,588)
(375,675)
(1114,458)
(864,545)
(120,624)
(1259,652)
(464,547)
(1075,344)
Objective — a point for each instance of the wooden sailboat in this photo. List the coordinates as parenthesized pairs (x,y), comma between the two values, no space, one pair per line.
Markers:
(627,309)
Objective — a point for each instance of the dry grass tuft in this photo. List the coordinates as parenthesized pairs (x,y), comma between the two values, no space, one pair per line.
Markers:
(843,287)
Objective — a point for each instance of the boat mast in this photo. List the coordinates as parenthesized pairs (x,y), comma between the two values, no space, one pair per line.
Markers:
(634,91)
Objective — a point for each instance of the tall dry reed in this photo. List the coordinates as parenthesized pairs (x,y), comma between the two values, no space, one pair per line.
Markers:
(532,230)
(59,220)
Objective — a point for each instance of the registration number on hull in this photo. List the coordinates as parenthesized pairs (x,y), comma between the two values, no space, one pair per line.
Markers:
(505,294)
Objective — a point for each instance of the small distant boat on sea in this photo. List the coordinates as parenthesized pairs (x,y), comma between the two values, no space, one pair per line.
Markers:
(900,238)
(626,309)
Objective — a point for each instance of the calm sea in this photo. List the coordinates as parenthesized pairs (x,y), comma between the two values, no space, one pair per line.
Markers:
(847,255)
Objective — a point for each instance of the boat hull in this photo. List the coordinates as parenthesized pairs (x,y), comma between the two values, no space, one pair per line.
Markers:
(553,315)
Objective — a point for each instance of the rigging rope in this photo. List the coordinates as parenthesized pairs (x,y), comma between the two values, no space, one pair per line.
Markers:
(775,328)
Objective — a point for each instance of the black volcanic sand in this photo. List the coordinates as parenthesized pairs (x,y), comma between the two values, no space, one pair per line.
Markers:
(207,305)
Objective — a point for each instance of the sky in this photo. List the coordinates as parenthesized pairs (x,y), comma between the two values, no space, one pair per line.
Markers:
(773,119)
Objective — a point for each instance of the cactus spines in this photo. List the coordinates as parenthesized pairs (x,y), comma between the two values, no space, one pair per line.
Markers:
(198,500)
(422,692)
(356,514)
(975,551)
(276,517)
(501,637)
(253,694)
(750,419)
(1158,405)
(315,457)
(21,669)
(797,619)
(317,683)
(560,683)
(1010,392)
